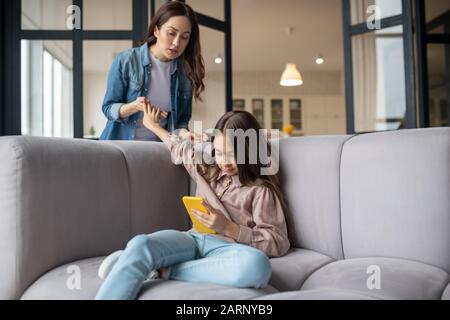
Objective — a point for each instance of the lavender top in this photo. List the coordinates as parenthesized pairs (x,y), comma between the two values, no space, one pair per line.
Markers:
(159,95)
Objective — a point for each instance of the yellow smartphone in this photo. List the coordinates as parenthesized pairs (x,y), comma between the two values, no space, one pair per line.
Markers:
(197,203)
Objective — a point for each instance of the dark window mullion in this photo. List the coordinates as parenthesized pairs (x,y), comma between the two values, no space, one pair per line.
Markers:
(422,64)
(46,35)
(11,104)
(411,111)
(108,35)
(77,47)
(228,57)
(152,8)
(2,74)
(438,38)
(438,21)
(140,20)
(384,23)
(210,22)
(348,61)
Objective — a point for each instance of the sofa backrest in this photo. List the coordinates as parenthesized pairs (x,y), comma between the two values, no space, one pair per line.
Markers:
(378,194)
(62,200)
(395,195)
(156,187)
(309,175)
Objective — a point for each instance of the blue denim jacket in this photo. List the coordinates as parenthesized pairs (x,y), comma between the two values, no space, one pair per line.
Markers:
(129,78)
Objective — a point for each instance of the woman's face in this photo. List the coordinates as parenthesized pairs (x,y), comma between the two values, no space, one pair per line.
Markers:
(173,37)
(224,155)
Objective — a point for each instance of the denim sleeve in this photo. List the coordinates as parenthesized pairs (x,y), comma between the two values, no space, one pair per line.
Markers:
(185,114)
(115,92)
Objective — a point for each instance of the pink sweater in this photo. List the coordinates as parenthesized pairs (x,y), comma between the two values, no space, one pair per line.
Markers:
(256,209)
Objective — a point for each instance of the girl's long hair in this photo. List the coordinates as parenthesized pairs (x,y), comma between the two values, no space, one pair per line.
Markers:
(249,173)
(192,60)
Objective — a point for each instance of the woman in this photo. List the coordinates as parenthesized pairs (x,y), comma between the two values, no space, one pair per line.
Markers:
(246,209)
(165,71)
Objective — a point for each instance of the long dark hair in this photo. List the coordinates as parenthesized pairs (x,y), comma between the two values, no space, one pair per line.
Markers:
(192,60)
(249,173)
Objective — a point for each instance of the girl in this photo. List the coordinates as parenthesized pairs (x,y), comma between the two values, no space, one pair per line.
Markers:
(167,70)
(246,209)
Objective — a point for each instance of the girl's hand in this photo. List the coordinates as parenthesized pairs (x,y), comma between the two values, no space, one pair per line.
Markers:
(140,103)
(217,221)
(193,136)
(198,137)
(152,115)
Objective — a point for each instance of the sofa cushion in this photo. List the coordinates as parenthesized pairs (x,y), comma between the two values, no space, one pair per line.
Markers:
(60,200)
(395,196)
(319,294)
(399,279)
(182,290)
(290,271)
(151,174)
(446,294)
(53,286)
(309,176)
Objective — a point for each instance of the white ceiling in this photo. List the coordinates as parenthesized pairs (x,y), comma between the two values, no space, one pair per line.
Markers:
(259,38)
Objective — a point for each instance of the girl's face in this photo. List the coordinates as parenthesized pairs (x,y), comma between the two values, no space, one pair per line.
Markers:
(224,155)
(173,37)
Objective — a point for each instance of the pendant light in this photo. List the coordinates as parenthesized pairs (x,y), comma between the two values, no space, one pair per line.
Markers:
(291,77)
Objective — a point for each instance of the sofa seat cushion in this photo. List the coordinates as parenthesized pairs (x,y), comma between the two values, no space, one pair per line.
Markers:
(182,290)
(290,271)
(446,294)
(59,284)
(320,294)
(398,278)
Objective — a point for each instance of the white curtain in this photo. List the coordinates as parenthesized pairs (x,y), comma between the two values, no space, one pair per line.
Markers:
(364,71)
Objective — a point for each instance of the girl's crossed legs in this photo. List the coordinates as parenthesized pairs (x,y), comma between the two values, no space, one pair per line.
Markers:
(192,257)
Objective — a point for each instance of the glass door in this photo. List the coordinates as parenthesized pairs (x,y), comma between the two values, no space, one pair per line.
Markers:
(214,17)
(379,65)
(433,39)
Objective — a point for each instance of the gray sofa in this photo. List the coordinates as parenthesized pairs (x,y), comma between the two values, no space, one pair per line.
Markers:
(370,216)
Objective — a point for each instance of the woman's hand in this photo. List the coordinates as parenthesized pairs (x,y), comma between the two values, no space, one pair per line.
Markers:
(140,103)
(217,221)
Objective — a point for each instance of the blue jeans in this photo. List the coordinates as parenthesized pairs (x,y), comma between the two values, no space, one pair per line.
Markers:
(192,257)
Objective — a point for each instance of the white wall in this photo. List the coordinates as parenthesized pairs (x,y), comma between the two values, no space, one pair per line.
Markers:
(322,95)
(213,105)
(323,101)
(94,89)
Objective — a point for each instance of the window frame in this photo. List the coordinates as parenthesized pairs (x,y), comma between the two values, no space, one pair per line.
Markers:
(405,20)
(13,34)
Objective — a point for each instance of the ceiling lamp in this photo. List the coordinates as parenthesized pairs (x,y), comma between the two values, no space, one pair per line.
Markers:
(291,77)
(319,59)
(218,59)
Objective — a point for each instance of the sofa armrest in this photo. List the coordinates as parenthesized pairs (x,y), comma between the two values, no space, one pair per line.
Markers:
(62,200)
